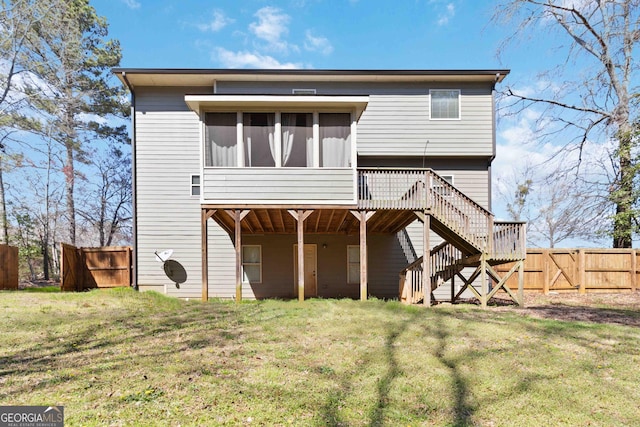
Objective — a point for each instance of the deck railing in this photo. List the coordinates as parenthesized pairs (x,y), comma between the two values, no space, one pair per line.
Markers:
(509,241)
(423,189)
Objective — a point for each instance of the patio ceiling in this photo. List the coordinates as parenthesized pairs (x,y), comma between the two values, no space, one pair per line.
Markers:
(272,221)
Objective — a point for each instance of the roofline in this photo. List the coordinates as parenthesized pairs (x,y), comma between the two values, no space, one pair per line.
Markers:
(310,72)
(207,76)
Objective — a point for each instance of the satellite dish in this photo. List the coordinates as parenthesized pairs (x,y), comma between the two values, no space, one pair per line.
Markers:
(163,255)
(175,272)
(173,269)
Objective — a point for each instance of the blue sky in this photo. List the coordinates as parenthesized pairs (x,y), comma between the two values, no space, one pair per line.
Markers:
(420,34)
(339,34)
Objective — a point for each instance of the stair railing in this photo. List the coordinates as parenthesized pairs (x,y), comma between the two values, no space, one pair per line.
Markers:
(423,189)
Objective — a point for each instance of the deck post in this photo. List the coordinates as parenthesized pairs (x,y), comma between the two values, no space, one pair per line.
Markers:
(204,254)
(426,260)
(300,216)
(483,280)
(521,283)
(363,217)
(238,216)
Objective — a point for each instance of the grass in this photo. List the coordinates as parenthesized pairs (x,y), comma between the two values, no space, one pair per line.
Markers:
(118,357)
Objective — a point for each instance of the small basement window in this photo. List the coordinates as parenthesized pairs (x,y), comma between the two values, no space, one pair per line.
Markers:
(195,185)
(353,264)
(252,263)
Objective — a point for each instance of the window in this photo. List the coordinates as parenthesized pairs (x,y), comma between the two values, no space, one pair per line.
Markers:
(259,139)
(297,139)
(353,264)
(239,139)
(445,103)
(221,145)
(335,140)
(195,185)
(252,263)
(440,188)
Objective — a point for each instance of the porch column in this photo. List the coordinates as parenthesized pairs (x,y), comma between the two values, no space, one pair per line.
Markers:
(300,216)
(426,260)
(237,216)
(205,214)
(363,217)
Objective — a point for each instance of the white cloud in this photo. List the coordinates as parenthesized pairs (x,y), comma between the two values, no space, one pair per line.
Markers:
(272,25)
(132,4)
(218,22)
(317,44)
(246,59)
(447,15)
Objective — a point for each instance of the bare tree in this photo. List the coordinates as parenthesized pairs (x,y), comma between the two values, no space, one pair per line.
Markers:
(107,208)
(588,96)
(557,206)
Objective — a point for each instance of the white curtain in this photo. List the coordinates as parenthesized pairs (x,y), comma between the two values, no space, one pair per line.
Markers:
(221,141)
(288,132)
(269,131)
(259,139)
(335,140)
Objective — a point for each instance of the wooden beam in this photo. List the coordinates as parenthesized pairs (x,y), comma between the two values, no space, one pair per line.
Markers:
(333,211)
(521,283)
(300,216)
(363,217)
(238,216)
(483,280)
(426,260)
(318,222)
(204,250)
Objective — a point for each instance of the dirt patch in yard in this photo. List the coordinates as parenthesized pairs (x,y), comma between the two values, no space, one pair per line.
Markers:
(621,309)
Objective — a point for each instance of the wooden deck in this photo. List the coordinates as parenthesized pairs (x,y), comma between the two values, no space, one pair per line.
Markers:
(387,201)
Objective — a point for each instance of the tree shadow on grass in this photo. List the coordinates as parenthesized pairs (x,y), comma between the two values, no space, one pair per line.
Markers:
(463,410)
(329,414)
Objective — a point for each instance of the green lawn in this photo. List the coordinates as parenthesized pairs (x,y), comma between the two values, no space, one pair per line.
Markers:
(124,358)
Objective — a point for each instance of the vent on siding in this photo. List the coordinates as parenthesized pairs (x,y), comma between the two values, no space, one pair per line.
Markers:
(303,91)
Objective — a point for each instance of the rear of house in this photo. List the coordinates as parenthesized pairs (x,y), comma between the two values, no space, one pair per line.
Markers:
(308,183)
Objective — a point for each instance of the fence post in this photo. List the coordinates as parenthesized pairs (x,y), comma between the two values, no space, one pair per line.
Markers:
(582,286)
(634,270)
(546,264)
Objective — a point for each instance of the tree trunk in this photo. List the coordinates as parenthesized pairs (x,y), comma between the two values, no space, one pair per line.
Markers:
(623,196)
(70,181)
(3,209)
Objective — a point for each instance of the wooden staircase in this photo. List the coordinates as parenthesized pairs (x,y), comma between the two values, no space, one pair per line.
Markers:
(472,238)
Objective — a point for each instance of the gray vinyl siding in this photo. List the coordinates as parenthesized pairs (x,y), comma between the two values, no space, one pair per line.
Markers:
(167,152)
(396,121)
(400,125)
(278,184)
(386,259)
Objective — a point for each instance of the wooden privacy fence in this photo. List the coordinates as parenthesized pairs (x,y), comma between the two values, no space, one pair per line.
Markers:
(8,267)
(578,270)
(89,268)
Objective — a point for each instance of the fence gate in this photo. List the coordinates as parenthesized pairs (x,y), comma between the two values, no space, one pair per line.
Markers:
(88,268)
(8,267)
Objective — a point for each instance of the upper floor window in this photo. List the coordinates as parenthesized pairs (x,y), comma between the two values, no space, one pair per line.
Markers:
(445,103)
(259,139)
(287,139)
(335,140)
(297,139)
(221,147)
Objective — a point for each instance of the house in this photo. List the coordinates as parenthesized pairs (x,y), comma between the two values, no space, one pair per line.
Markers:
(316,183)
